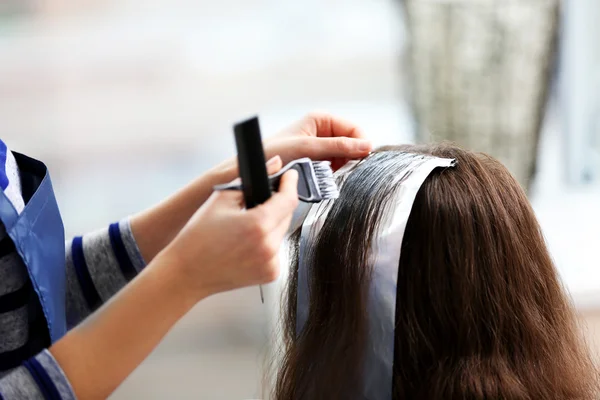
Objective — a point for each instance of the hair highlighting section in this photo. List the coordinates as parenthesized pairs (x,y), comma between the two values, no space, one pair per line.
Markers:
(479,310)
(411,171)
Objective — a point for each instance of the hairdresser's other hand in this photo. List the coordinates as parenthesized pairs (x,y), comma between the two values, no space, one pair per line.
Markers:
(225,247)
(319,136)
(222,247)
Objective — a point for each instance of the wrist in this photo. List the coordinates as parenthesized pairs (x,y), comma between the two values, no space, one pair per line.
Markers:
(175,271)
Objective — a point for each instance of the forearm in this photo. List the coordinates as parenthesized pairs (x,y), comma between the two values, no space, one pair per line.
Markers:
(156,227)
(101,352)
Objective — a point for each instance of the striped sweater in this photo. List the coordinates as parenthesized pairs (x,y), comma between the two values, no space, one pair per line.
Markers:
(97,266)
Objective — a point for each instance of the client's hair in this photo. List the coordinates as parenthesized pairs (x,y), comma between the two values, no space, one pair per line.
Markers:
(480,311)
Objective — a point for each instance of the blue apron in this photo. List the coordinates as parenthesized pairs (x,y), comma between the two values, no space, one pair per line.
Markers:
(39,237)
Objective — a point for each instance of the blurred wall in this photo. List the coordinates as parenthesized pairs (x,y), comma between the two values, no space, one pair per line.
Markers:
(129,100)
(163,82)
(580,90)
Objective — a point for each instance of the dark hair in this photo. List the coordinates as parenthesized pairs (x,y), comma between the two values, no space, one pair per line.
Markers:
(480,311)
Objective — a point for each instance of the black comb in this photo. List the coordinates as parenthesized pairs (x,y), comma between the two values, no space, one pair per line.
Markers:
(252,165)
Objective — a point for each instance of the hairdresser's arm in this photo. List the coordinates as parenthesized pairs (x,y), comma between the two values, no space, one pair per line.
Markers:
(223,247)
(318,136)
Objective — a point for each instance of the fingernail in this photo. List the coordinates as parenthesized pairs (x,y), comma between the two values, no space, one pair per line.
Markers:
(364,145)
(273,160)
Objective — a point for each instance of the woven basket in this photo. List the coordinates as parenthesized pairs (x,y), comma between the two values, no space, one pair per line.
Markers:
(480,74)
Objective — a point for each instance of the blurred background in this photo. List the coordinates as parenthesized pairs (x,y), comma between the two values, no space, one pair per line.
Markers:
(127,100)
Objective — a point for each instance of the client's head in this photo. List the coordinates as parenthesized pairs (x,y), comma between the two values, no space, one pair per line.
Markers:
(480,312)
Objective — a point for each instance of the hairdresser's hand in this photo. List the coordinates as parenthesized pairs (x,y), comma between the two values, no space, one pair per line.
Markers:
(225,247)
(319,137)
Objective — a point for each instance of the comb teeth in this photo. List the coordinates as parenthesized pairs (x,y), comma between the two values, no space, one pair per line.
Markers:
(325,180)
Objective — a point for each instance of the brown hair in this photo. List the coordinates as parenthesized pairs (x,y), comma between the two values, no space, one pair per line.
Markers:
(480,311)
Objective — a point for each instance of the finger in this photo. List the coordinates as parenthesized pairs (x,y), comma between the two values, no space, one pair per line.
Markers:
(326,125)
(339,147)
(271,166)
(274,165)
(280,206)
(289,186)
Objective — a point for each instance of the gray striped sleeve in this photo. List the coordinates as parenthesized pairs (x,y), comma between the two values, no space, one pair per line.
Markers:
(55,372)
(102,264)
(20,384)
(103,268)
(76,307)
(133,251)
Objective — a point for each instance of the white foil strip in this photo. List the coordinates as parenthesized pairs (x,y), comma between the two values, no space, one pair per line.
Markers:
(310,228)
(381,307)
